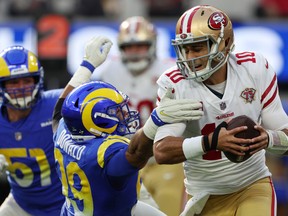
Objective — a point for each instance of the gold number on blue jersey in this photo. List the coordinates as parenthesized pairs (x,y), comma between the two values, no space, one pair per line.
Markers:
(11,155)
(67,179)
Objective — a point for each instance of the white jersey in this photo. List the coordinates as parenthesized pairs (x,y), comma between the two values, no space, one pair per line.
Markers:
(141,89)
(251,89)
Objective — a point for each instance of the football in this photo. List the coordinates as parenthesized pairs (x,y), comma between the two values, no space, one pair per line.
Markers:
(250,133)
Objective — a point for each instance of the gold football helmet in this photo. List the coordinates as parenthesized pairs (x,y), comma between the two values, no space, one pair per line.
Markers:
(137,31)
(203,24)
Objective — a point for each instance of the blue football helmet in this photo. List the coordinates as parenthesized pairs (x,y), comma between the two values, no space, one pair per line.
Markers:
(98,109)
(18,62)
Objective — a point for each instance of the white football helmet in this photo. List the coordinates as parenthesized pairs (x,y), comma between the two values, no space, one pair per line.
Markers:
(203,24)
(137,31)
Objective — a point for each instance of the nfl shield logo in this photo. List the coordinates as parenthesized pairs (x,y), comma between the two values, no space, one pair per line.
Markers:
(18,136)
(223,106)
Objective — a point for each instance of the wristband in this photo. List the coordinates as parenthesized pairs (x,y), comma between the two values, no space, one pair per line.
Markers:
(82,75)
(206,143)
(270,139)
(216,134)
(278,141)
(88,65)
(150,129)
(192,147)
(155,118)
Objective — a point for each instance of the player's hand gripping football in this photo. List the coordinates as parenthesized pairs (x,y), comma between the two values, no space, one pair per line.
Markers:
(97,50)
(172,110)
(3,163)
(235,138)
(263,141)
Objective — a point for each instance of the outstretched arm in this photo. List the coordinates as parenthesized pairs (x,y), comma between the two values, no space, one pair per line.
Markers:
(139,150)
(168,111)
(96,52)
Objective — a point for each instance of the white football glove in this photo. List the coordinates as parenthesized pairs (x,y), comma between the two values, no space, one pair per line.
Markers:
(97,50)
(3,163)
(172,111)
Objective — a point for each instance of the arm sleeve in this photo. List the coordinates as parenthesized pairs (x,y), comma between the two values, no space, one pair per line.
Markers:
(57,114)
(176,130)
(273,114)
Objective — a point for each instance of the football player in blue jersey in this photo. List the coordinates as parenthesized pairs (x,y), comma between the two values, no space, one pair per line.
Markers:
(96,161)
(26,137)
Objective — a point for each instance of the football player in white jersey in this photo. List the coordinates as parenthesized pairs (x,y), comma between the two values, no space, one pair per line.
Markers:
(136,73)
(228,85)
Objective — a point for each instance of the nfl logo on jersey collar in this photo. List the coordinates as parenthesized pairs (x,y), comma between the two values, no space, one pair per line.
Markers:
(18,136)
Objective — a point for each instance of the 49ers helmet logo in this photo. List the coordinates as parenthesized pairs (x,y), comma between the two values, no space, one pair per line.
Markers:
(183,36)
(216,20)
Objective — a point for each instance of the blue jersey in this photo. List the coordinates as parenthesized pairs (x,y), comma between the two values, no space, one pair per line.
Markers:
(29,150)
(96,176)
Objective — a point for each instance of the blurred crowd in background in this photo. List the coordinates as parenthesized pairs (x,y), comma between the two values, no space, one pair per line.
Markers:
(121,9)
(118,10)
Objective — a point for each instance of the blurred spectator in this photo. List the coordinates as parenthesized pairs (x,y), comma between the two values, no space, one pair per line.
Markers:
(122,9)
(67,7)
(89,8)
(4,4)
(37,8)
(272,8)
(111,8)
(26,7)
(237,10)
(165,8)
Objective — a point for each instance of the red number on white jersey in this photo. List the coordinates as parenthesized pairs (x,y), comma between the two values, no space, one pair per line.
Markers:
(214,154)
(245,57)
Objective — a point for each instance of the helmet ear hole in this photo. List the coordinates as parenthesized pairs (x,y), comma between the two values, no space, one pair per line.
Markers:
(77,103)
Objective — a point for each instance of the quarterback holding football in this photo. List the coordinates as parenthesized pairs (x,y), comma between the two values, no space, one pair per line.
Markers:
(228,85)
